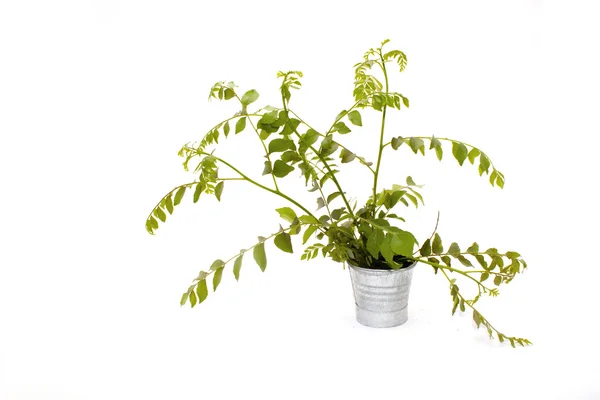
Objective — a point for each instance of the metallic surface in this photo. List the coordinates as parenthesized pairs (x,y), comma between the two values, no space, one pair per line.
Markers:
(381,296)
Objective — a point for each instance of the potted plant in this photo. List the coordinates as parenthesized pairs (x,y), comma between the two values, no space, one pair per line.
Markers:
(372,238)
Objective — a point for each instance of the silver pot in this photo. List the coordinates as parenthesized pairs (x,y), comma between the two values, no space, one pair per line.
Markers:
(381,296)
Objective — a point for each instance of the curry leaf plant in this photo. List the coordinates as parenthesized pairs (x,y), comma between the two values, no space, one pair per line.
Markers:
(369,236)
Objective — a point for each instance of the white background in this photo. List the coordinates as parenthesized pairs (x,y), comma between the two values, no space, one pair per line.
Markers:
(96,98)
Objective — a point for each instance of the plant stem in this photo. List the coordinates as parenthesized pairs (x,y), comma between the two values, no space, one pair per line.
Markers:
(437,221)
(208,273)
(347,111)
(263,144)
(486,323)
(268,189)
(458,271)
(338,143)
(333,178)
(325,201)
(381,146)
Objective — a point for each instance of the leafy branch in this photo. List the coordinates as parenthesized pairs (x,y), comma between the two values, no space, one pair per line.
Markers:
(508,264)
(198,292)
(479,319)
(460,150)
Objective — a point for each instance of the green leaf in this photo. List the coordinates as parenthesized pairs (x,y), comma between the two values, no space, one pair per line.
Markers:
(160,214)
(281,169)
(456,301)
(459,151)
(308,219)
(279,145)
(308,233)
(437,244)
(492,251)
(387,252)
(484,276)
(337,213)
(332,196)
(217,278)
(341,127)
(229,94)
(149,226)
(237,265)
(320,203)
(355,118)
(413,199)
(154,223)
(284,242)
(454,249)
(473,155)
(201,276)
(395,197)
(310,137)
(217,264)
(328,146)
(341,115)
(287,214)
(347,156)
(439,153)
(259,255)
(219,190)
(481,260)
(426,248)
(193,298)
(473,249)
(410,182)
(202,291)
(372,245)
(184,298)
(290,156)
(377,102)
(512,254)
(197,192)
(500,180)
(497,280)
(403,243)
(417,144)
(264,135)
(477,318)
(493,177)
(169,204)
(240,125)
(484,164)
(226,129)
(179,195)
(435,143)
(464,261)
(249,97)
(496,262)
(267,170)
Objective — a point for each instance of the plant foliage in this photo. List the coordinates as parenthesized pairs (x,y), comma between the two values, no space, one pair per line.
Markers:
(372,236)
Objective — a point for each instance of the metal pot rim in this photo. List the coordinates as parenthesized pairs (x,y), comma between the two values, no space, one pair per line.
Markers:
(381,270)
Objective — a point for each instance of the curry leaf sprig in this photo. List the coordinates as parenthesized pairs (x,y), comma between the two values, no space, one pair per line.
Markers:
(334,226)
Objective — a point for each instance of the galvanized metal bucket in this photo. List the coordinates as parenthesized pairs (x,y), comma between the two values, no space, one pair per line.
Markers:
(381,296)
